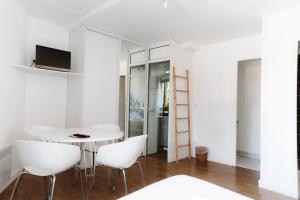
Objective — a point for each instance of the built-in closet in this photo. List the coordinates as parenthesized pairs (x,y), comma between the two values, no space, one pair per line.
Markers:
(150,107)
(93,97)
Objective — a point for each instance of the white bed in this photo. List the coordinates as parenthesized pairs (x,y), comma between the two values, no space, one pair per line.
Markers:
(183,187)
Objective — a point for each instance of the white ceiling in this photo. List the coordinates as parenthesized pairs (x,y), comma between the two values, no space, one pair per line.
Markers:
(147,21)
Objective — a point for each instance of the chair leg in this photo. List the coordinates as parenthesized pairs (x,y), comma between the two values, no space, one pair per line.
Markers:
(114,179)
(125,183)
(93,159)
(17,184)
(111,181)
(53,178)
(142,174)
(81,185)
(75,176)
(48,186)
(109,177)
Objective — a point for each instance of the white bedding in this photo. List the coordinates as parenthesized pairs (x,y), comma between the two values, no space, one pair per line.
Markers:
(184,188)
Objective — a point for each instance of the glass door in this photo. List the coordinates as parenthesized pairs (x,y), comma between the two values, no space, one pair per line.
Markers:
(149,97)
(158,107)
(137,100)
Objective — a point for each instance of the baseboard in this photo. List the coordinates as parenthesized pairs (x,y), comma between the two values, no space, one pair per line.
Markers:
(6,175)
(248,154)
(5,165)
(271,187)
(12,178)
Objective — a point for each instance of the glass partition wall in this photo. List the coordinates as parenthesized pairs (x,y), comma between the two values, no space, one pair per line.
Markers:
(158,107)
(137,98)
(125,48)
(149,96)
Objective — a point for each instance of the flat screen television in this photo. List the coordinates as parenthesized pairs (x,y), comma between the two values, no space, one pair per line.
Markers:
(54,59)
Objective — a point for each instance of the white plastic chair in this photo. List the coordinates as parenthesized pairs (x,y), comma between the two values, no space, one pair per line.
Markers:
(46,160)
(110,127)
(32,129)
(122,155)
(94,148)
(107,127)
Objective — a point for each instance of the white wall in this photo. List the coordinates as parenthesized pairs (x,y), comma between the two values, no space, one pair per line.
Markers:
(45,34)
(214,84)
(182,60)
(12,51)
(281,33)
(248,107)
(45,96)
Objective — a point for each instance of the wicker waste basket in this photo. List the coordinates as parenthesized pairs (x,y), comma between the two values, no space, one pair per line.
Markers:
(201,154)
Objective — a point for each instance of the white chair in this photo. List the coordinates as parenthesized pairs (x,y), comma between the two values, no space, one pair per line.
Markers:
(32,129)
(122,155)
(46,160)
(88,147)
(109,127)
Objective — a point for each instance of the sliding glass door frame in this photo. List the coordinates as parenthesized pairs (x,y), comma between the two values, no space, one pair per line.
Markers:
(127,113)
(146,63)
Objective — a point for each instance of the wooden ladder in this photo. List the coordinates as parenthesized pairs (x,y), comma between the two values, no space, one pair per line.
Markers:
(177,118)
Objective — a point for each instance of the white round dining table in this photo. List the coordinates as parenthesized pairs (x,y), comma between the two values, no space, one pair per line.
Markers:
(64,135)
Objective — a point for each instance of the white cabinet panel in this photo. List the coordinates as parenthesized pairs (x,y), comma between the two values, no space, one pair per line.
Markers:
(159,52)
(100,79)
(93,97)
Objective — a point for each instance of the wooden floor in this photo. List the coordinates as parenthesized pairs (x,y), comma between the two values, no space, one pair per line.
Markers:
(240,180)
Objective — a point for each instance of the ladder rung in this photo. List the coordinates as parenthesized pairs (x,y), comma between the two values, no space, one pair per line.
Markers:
(182,90)
(182,131)
(181,77)
(185,145)
(185,91)
(180,118)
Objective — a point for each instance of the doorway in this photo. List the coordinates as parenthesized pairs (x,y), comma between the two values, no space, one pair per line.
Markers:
(122,104)
(149,97)
(248,114)
(158,107)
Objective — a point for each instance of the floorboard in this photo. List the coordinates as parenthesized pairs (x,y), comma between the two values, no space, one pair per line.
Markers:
(240,180)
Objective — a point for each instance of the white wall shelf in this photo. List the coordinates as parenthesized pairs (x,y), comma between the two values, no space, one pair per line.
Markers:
(34,70)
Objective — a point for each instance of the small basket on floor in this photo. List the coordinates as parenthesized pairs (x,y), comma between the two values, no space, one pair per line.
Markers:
(201,154)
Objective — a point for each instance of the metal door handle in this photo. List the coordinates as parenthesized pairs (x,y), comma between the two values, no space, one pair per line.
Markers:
(238,123)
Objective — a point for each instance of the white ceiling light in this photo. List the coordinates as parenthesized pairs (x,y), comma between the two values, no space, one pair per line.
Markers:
(165,3)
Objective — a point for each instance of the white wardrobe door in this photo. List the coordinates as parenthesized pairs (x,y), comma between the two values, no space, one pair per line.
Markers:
(100,100)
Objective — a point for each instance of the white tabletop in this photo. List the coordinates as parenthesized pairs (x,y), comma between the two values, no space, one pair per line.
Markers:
(64,135)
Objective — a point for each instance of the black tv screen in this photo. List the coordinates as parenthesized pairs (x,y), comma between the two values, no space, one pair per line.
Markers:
(52,58)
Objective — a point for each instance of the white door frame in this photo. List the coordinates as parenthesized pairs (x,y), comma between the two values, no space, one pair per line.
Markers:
(237,109)
(147,62)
